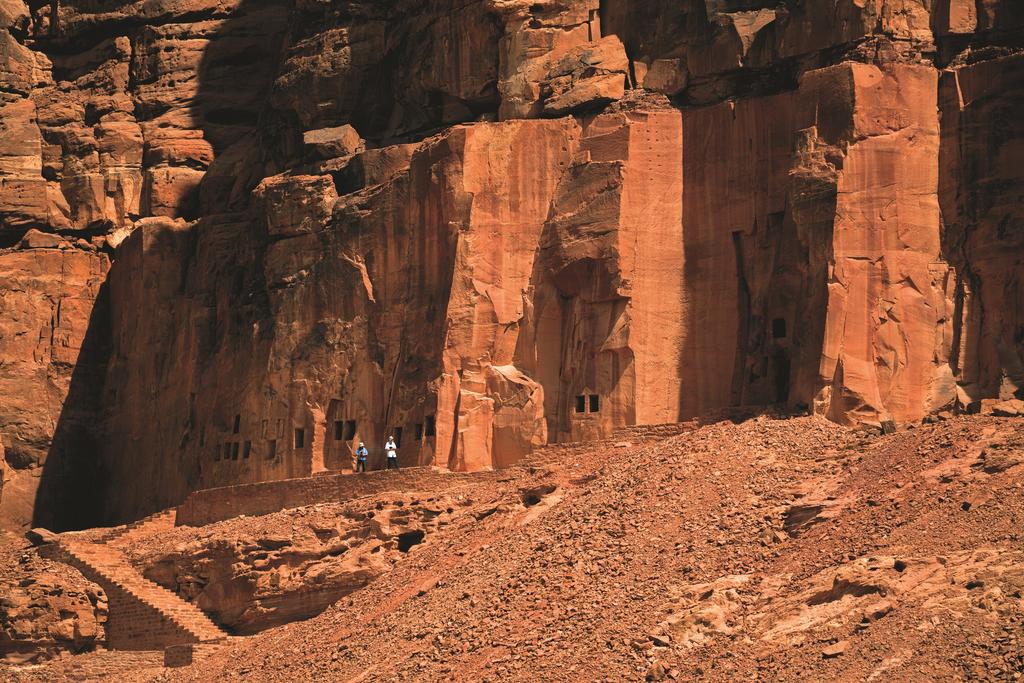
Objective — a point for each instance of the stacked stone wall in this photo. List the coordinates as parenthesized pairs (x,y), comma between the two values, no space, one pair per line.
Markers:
(213,505)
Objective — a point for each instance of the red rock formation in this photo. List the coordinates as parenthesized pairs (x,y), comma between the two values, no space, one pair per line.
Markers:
(49,288)
(494,224)
(607,303)
(47,607)
(983,225)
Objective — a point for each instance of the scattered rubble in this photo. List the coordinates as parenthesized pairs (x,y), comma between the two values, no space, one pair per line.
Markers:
(668,560)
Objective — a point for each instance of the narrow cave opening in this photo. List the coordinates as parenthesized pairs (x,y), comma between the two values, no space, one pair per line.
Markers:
(532,496)
(530,499)
(409,539)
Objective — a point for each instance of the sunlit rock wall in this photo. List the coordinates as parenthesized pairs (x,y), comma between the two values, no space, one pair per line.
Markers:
(490,225)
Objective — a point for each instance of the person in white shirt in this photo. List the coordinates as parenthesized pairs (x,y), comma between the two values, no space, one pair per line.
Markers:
(392,450)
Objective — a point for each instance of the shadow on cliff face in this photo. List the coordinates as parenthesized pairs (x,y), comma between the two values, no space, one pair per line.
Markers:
(235,77)
(72,485)
(235,73)
(396,71)
(983,230)
(252,136)
(755,273)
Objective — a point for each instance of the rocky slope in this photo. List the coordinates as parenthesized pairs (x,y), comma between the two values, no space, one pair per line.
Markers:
(291,566)
(240,235)
(777,549)
(47,608)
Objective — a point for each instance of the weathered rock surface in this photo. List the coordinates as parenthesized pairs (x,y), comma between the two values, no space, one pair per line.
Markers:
(303,561)
(328,143)
(48,293)
(486,225)
(46,607)
(983,227)
(830,235)
(586,77)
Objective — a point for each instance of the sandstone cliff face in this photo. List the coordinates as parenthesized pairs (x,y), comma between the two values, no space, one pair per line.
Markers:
(983,227)
(486,225)
(49,320)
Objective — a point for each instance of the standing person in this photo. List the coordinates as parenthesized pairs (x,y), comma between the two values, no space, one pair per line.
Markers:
(361,454)
(392,450)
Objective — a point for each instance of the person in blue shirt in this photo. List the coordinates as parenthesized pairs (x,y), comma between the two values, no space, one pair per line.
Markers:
(361,454)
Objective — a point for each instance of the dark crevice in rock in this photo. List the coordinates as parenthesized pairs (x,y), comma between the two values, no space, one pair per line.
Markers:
(535,495)
(410,538)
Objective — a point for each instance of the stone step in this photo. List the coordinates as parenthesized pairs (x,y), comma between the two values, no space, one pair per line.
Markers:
(110,568)
(155,522)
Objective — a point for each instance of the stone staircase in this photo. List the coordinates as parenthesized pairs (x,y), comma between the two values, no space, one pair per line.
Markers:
(143,615)
(158,521)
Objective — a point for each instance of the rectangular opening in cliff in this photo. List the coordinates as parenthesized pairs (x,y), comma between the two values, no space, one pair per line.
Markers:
(398,436)
(339,430)
(234,451)
(238,424)
(430,428)
(350,430)
(271,449)
(300,438)
(778,328)
(246,450)
(581,404)
(595,403)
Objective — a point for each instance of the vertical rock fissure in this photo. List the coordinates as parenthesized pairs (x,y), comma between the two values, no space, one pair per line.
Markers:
(739,373)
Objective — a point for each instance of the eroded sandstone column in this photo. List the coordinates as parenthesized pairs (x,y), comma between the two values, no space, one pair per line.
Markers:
(607,305)
(886,334)
(511,171)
